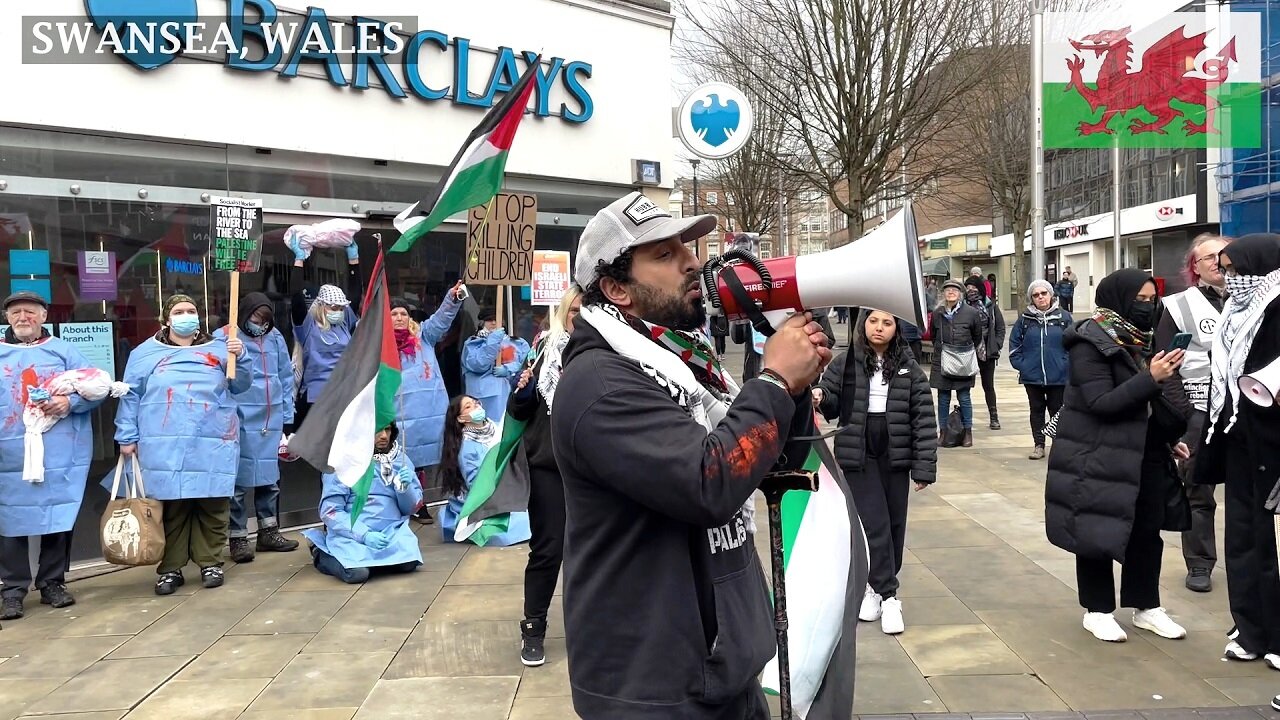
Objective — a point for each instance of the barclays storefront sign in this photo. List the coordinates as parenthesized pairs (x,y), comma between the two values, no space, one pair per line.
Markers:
(254,37)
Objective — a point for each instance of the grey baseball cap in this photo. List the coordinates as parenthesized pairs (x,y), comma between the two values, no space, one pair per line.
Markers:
(26,296)
(629,222)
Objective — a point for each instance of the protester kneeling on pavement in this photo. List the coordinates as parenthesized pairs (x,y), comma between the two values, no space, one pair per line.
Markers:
(379,538)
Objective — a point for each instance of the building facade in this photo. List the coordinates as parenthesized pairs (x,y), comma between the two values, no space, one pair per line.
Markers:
(1249,178)
(120,151)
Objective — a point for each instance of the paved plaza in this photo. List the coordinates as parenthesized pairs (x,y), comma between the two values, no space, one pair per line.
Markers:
(992,627)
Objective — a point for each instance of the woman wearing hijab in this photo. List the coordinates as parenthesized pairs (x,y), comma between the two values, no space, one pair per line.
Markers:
(1110,467)
(264,408)
(977,294)
(531,404)
(422,399)
(1037,353)
(179,417)
(1241,448)
(956,325)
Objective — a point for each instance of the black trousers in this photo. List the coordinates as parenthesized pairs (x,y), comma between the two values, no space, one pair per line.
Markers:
(1253,580)
(1140,571)
(546,542)
(750,364)
(881,494)
(1067,303)
(1043,398)
(15,563)
(1199,544)
(987,371)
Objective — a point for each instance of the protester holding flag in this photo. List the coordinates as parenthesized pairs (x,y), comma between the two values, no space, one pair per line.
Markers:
(371,534)
(423,398)
(531,404)
(323,322)
(180,419)
(658,449)
(264,409)
(878,388)
(469,436)
(491,361)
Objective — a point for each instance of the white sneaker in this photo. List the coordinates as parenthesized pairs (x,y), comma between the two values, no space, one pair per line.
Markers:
(870,611)
(1104,627)
(1234,651)
(891,617)
(1272,660)
(1158,621)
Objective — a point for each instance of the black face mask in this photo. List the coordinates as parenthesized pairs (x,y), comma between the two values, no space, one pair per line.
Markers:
(1142,314)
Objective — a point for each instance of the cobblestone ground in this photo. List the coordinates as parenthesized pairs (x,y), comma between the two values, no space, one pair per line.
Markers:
(993,629)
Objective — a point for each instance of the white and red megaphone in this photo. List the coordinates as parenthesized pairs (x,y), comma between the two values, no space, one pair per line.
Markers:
(1262,387)
(881,270)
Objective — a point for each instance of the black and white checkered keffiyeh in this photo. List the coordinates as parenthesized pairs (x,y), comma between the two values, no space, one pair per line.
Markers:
(1250,296)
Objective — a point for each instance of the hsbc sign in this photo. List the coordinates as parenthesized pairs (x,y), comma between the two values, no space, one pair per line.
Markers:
(1071,232)
(1165,213)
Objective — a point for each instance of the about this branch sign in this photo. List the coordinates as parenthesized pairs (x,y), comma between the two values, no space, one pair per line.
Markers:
(236,227)
(500,238)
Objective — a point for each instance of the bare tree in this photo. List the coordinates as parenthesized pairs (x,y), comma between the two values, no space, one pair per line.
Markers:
(860,85)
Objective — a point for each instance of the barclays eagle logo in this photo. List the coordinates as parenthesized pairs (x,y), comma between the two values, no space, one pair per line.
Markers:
(151,32)
(714,121)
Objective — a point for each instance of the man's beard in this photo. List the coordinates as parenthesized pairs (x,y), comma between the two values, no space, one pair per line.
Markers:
(674,311)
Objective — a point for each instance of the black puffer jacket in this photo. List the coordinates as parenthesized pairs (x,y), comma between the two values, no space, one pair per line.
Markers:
(913,428)
(964,330)
(1113,419)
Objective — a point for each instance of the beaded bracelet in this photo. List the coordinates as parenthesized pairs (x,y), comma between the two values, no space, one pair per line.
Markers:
(772,376)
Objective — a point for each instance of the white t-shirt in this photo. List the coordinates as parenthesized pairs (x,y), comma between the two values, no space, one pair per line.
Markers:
(878,400)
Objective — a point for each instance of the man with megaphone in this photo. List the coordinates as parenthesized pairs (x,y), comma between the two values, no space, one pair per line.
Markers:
(661,451)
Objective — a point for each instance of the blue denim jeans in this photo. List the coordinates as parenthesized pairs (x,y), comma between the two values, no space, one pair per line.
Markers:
(266,506)
(966,406)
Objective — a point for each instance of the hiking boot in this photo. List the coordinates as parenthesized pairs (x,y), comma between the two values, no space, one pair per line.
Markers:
(1199,580)
(967,438)
(55,594)
(533,634)
(11,608)
(211,577)
(169,582)
(270,540)
(1156,620)
(1037,453)
(240,550)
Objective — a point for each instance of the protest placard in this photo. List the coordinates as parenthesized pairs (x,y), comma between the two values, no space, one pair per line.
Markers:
(551,277)
(500,239)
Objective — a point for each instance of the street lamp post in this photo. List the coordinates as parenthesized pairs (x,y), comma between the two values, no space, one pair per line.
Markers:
(1037,149)
(695,162)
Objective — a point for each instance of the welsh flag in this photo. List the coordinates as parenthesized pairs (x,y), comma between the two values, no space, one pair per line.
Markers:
(475,175)
(358,400)
(500,488)
(1189,79)
(826,565)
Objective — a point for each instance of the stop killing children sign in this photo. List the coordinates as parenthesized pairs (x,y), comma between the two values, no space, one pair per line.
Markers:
(500,238)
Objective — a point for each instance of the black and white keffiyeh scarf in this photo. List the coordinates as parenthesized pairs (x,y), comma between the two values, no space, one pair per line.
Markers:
(1250,295)
(386,466)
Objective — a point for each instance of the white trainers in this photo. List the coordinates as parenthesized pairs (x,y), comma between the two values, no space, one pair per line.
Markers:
(870,611)
(1158,621)
(1235,651)
(891,622)
(1104,627)
(1272,660)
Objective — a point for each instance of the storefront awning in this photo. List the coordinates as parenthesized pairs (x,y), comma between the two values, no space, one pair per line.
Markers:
(940,267)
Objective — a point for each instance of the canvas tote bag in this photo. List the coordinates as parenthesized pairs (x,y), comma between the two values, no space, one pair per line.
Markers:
(132,529)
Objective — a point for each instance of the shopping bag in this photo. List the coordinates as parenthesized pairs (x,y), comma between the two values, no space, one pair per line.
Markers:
(132,529)
(953,432)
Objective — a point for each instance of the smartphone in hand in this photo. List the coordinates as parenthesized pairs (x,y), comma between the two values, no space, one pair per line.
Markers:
(1181,341)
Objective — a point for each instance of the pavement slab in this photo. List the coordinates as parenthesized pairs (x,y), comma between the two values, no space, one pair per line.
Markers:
(110,685)
(474,698)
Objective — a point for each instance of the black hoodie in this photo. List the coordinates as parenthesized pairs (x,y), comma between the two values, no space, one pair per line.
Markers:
(250,303)
(667,613)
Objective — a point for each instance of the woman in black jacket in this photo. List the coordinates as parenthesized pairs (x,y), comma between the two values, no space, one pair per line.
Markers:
(992,343)
(1111,468)
(531,404)
(881,395)
(955,325)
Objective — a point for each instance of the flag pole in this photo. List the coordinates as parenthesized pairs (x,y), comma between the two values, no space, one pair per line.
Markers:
(773,499)
(1115,200)
(1037,149)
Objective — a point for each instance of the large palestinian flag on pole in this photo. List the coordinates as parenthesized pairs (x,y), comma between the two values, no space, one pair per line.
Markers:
(359,399)
(475,175)
(1119,75)
(826,566)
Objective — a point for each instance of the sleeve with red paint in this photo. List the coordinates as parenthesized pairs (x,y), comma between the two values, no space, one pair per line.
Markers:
(633,439)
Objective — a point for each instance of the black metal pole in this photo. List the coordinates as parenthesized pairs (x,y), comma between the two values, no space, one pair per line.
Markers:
(694,163)
(773,498)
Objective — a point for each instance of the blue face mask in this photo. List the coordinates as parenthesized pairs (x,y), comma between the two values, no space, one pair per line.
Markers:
(335,317)
(184,325)
(255,329)
(478,415)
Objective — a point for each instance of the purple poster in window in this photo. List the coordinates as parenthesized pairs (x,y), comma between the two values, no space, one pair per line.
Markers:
(97,275)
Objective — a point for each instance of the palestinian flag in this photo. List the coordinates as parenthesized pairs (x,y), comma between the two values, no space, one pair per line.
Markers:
(1183,79)
(475,175)
(358,400)
(825,557)
(500,488)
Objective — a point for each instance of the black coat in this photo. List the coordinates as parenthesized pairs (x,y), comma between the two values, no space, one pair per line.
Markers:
(913,427)
(964,330)
(1104,444)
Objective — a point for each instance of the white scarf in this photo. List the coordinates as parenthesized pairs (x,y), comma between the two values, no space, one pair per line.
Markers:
(670,372)
(1250,296)
(552,363)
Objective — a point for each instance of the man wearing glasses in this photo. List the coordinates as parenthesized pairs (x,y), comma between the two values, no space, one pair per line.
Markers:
(1196,311)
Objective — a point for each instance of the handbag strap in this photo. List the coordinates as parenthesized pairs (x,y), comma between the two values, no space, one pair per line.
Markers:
(139,489)
(115,484)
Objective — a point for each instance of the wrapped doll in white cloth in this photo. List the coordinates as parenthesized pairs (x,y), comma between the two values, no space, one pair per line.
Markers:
(338,233)
(91,384)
